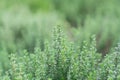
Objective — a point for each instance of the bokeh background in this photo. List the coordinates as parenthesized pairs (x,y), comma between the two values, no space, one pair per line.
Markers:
(25,24)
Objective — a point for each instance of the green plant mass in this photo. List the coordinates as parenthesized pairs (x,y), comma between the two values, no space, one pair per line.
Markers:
(59,40)
(63,60)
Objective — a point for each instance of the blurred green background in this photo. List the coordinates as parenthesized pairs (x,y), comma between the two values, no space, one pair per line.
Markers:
(25,24)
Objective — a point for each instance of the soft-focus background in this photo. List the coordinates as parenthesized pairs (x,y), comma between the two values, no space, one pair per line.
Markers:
(25,24)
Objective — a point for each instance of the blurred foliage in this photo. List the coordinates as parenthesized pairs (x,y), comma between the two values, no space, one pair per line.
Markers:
(75,11)
(100,17)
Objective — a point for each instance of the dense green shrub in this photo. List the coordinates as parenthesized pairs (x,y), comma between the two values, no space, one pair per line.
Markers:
(63,60)
(60,58)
